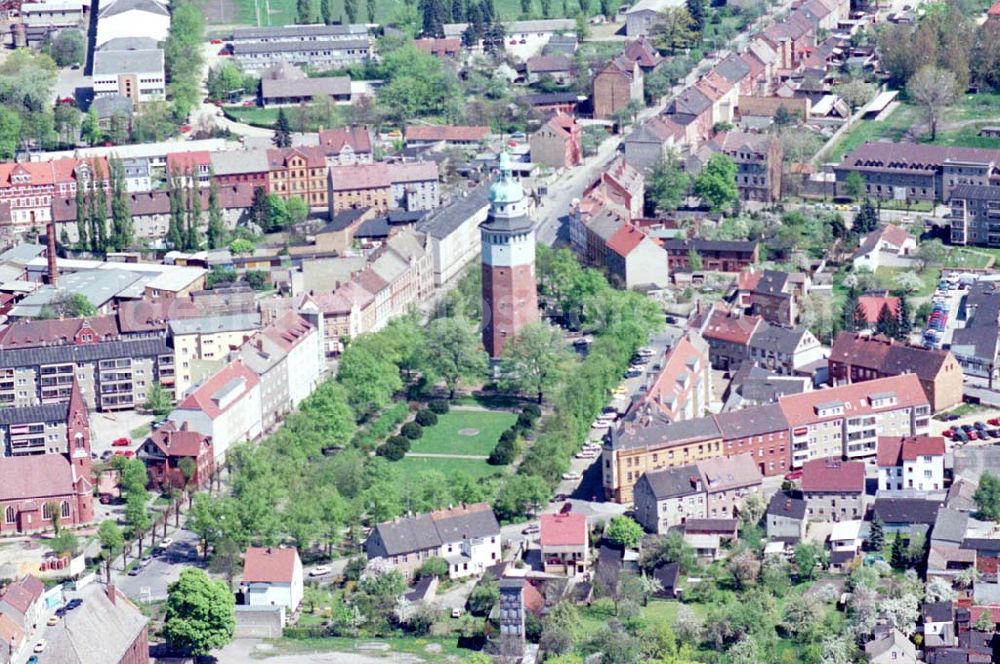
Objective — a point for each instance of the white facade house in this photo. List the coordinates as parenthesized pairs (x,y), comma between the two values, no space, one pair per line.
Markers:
(226,407)
(912,464)
(453,233)
(303,344)
(132,68)
(272,577)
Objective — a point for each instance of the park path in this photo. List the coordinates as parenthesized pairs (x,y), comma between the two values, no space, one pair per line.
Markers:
(430,455)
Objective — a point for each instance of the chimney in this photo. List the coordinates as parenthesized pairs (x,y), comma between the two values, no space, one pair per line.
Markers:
(111,592)
(50,233)
(184,426)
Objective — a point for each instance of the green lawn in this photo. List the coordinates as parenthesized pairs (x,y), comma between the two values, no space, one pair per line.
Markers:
(444,437)
(886,278)
(892,128)
(970,258)
(449,650)
(262,117)
(473,467)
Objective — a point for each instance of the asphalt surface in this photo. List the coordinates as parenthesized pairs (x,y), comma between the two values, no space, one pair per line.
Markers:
(150,585)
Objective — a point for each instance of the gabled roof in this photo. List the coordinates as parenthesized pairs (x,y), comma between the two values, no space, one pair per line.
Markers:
(907,510)
(446,133)
(733,68)
(727,473)
(642,52)
(854,399)
(784,340)
(357,138)
(34,333)
(735,329)
(360,176)
(224,388)
(887,356)
(563,529)
(691,101)
(755,421)
(280,158)
(893,451)
(98,631)
(833,475)
(35,477)
(427,531)
(673,482)
(787,504)
(872,305)
(174,442)
(269,565)
(542,64)
(625,239)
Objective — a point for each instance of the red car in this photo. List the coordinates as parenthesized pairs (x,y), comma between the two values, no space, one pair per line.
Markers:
(216,41)
(994,421)
(947,433)
(121,442)
(125,453)
(794,475)
(973,435)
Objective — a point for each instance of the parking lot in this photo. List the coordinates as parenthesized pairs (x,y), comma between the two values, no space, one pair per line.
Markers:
(945,317)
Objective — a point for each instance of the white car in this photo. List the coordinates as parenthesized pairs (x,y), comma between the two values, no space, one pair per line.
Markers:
(586,454)
(166,542)
(645,352)
(572,475)
(601,423)
(40,646)
(319,570)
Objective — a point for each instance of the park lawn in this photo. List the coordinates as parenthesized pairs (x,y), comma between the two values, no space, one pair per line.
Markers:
(475,468)
(966,137)
(968,258)
(253,115)
(886,278)
(444,437)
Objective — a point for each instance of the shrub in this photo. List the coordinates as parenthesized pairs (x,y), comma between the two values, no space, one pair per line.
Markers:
(426,417)
(400,441)
(412,430)
(525,421)
(533,410)
(390,452)
(355,567)
(509,436)
(435,566)
(438,407)
(502,454)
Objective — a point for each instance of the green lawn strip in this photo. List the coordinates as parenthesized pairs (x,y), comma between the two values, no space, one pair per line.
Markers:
(140,432)
(894,127)
(886,278)
(473,467)
(413,646)
(445,437)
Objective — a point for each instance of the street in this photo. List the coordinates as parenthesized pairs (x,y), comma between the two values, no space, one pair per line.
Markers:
(150,585)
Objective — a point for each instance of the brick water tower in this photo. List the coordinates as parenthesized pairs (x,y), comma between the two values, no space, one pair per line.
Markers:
(508,239)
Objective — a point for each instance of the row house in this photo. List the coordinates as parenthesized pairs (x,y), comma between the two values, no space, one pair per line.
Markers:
(846,421)
(448,135)
(715,255)
(241,167)
(976,346)
(453,237)
(728,335)
(300,172)
(786,517)
(709,489)
(467,537)
(910,464)
(855,358)
(682,390)
(917,172)
(634,259)
(361,185)
(652,141)
(29,188)
(346,146)
(833,489)
(647,441)
(256,55)
(784,350)
(791,39)
(773,295)
(202,344)
(347,312)
(694,110)
(758,159)
(34,483)
(190,168)
(225,407)
(565,542)
(415,185)
(623,187)
(721,93)
(112,375)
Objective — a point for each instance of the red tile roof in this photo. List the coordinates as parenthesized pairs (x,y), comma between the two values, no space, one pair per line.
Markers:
(563,529)
(35,333)
(439,46)
(207,396)
(413,171)
(643,52)
(625,239)
(182,162)
(994,10)
(269,565)
(174,442)
(278,158)
(803,408)
(666,386)
(23,593)
(733,329)
(334,140)
(564,123)
(446,133)
(288,330)
(46,172)
(10,631)
(833,475)
(893,451)
(359,177)
(872,305)
(37,477)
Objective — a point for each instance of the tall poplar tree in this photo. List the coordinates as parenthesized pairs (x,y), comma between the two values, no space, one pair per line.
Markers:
(174,235)
(192,234)
(121,215)
(216,234)
(82,218)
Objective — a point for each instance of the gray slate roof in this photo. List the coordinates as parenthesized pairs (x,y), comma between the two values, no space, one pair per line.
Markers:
(122,6)
(752,421)
(660,432)
(423,531)
(444,221)
(783,340)
(97,632)
(213,324)
(29,357)
(788,505)
(49,412)
(245,48)
(128,62)
(950,526)
(305,87)
(672,482)
(295,32)
(733,68)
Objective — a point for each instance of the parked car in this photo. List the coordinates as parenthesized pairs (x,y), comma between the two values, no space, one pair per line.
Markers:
(121,442)
(73,603)
(947,433)
(645,352)
(994,421)
(633,373)
(166,542)
(967,428)
(794,475)
(558,498)
(531,529)
(135,571)
(125,453)
(320,570)
(572,475)
(40,646)
(979,425)
(54,620)
(456,612)
(973,435)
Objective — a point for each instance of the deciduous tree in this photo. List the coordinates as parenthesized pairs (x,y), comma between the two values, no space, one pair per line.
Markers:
(716,184)
(935,90)
(454,351)
(200,614)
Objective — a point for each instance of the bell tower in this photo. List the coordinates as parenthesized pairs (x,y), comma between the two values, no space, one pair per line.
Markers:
(508,262)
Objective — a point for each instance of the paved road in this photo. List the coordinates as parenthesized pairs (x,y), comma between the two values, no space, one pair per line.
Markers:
(151,583)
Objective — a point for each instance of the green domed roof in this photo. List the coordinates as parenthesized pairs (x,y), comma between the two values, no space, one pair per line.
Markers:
(506,189)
